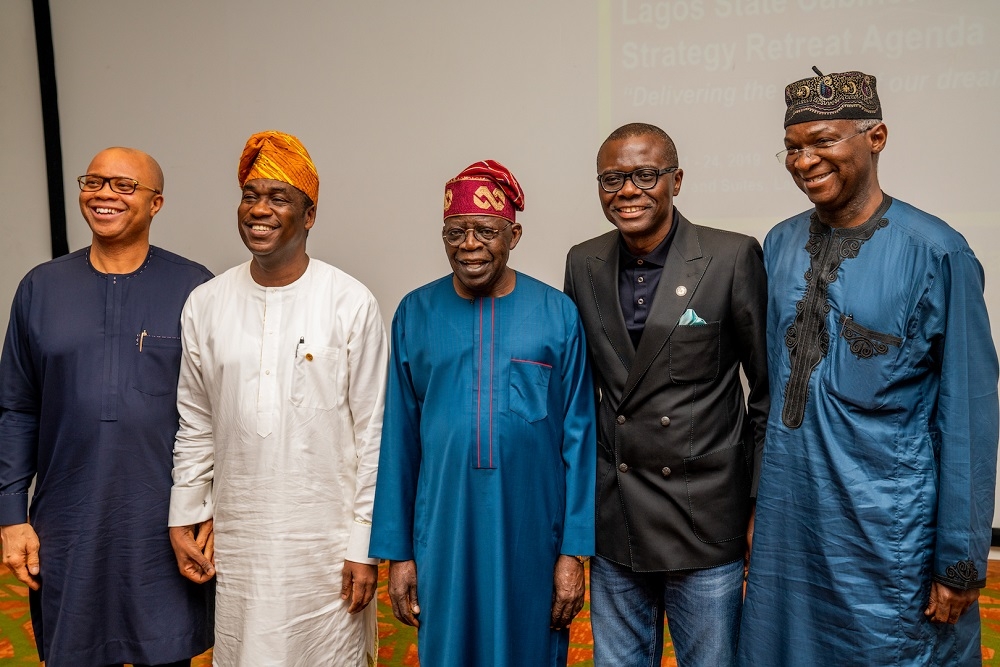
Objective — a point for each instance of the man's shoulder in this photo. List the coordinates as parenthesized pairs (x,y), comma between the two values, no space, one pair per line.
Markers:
(223,283)
(343,282)
(533,289)
(176,263)
(712,238)
(795,225)
(595,246)
(55,274)
(59,267)
(923,227)
(426,294)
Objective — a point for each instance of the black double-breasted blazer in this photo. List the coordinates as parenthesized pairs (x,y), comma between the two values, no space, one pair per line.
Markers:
(679,447)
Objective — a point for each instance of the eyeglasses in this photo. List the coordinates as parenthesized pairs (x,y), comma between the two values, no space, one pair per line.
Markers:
(120,184)
(456,235)
(644,179)
(790,155)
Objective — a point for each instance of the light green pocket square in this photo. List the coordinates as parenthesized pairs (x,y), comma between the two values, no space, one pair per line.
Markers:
(690,318)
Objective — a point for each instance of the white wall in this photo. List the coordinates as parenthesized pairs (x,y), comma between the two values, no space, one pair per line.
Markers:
(24,223)
(392,98)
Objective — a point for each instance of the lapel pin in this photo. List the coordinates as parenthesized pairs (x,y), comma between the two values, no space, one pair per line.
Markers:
(681,290)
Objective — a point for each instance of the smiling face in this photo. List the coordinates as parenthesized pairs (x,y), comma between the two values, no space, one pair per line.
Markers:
(642,216)
(481,268)
(122,220)
(841,180)
(274,218)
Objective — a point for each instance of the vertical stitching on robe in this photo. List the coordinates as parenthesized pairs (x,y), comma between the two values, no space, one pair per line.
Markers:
(492,379)
(479,389)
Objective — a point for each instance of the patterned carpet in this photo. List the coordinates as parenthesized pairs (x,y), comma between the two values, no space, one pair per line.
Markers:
(398,642)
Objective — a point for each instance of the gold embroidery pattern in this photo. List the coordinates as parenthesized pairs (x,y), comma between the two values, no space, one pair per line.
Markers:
(485,199)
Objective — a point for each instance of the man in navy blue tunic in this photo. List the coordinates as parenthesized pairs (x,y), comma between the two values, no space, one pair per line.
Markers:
(88,389)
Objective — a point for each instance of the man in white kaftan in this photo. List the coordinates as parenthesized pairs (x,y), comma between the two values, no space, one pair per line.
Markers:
(281,395)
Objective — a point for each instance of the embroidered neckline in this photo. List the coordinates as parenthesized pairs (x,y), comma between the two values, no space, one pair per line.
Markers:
(807,338)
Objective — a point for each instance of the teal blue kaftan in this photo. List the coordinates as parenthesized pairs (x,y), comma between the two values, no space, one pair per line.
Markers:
(487,468)
(880,456)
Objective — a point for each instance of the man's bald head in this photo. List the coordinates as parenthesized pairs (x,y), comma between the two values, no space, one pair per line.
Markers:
(148,169)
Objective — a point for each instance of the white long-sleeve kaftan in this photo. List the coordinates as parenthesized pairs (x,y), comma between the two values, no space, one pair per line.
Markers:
(280,395)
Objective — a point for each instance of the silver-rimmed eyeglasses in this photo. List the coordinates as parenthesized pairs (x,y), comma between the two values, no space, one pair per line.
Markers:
(644,178)
(790,155)
(123,185)
(455,236)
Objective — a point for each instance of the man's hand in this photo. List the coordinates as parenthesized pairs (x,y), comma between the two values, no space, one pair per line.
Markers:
(358,585)
(20,553)
(194,548)
(567,593)
(948,603)
(403,591)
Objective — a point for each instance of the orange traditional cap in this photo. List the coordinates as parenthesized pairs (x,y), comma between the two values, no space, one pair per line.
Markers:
(279,157)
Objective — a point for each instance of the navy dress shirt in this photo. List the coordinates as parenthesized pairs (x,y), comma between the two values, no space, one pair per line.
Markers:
(638,277)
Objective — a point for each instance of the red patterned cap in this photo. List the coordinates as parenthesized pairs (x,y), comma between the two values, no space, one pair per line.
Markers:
(483,188)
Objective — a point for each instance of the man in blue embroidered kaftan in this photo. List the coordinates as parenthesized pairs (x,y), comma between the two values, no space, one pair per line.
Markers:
(485,494)
(88,388)
(876,495)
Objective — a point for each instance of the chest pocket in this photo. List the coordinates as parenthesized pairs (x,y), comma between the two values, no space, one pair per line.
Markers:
(317,377)
(157,365)
(694,352)
(529,389)
(862,364)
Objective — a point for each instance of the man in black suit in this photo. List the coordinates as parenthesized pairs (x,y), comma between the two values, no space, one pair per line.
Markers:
(671,312)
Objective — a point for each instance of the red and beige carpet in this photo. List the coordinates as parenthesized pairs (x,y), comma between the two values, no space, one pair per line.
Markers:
(397,642)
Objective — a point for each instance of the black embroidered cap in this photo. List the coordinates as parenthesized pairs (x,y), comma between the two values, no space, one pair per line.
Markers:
(841,95)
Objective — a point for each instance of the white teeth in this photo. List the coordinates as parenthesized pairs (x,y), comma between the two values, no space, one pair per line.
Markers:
(105,211)
(630,209)
(260,228)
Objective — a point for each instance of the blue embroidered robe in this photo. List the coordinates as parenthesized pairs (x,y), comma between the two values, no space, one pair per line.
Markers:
(487,468)
(880,457)
(94,417)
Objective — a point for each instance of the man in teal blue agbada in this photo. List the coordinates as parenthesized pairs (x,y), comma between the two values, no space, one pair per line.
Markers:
(875,503)
(484,503)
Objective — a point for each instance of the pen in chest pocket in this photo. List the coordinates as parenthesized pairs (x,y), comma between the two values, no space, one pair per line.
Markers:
(145,334)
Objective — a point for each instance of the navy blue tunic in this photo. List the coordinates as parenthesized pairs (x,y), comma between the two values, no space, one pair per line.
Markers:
(88,390)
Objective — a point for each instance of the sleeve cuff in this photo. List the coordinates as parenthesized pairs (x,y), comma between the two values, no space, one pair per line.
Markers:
(357,544)
(963,575)
(190,505)
(13,508)
(577,541)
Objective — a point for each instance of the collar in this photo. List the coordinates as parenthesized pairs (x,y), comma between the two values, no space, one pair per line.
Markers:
(655,257)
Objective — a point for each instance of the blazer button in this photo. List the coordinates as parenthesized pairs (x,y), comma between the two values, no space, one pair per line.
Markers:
(621,419)
(623,467)
(664,421)
(666,471)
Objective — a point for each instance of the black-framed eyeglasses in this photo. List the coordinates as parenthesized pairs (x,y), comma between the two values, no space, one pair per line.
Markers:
(456,236)
(644,178)
(123,185)
(790,155)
